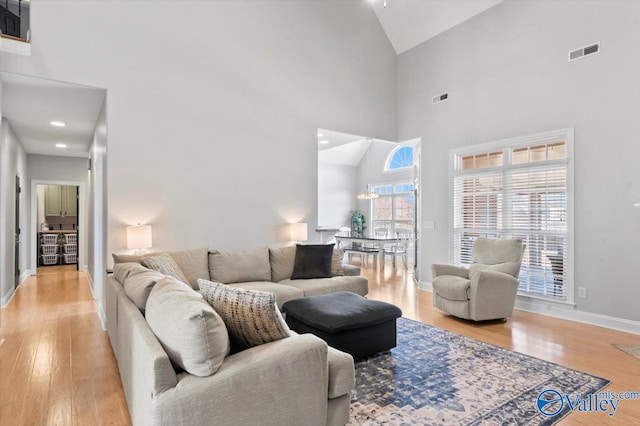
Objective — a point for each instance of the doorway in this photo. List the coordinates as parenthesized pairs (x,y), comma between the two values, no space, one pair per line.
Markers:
(58,221)
(57,233)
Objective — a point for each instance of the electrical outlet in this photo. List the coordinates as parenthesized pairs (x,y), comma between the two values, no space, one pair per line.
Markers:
(582,292)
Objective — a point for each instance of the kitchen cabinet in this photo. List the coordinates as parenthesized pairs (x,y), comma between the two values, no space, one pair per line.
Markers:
(60,200)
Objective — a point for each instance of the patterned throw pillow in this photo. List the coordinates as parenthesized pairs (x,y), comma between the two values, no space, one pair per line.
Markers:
(165,264)
(336,262)
(251,317)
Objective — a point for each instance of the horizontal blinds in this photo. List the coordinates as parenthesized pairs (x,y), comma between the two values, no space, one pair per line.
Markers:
(526,203)
(536,198)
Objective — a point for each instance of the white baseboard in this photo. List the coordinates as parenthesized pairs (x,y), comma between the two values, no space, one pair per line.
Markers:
(6,299)
(101,314)
(565,312)
(83,268)
(568,313)
(426,286)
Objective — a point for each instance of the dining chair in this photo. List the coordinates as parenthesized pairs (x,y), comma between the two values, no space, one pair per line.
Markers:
(399,248)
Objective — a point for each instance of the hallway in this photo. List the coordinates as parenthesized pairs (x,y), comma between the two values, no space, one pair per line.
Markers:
(49,371)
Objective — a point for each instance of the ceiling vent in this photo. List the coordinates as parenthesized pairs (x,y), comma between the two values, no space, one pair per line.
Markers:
(439,98)
(584,51)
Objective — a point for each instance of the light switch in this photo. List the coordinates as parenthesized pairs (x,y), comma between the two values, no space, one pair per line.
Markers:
(429,224)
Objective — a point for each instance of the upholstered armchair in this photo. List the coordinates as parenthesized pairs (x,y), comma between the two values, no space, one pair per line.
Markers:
(487,289)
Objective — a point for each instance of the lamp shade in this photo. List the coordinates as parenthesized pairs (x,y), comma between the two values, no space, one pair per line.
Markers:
(139,236)
(298,231)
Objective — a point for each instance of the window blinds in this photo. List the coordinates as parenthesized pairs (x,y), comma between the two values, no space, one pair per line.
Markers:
(526,201)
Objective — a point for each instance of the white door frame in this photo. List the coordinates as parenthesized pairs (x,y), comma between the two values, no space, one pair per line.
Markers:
(82,222)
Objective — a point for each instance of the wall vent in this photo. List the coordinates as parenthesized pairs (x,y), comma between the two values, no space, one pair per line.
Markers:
(439,98)
(584,51)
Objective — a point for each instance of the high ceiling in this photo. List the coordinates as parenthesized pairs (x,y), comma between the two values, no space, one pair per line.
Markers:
(31,104)
(408,23)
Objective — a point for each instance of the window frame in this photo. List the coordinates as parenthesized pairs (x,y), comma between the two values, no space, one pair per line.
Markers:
(387,163)
(506,146)
(393,195)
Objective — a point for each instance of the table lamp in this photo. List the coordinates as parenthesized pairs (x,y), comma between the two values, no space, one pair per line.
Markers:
(139,238)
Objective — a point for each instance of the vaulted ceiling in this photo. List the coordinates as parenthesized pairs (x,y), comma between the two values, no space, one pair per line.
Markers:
(408,23)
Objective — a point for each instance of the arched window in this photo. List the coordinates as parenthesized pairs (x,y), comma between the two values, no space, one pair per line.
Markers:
(400,158)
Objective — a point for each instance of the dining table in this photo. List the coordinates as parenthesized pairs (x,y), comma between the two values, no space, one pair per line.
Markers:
(361,242)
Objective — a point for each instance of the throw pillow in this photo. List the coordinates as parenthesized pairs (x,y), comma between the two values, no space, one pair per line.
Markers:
(336,262)
(188,328)
(165,264)
(239,266)
(125,258)
(282,260)
(138,287)
(312,261)
(252,317)
(122,271)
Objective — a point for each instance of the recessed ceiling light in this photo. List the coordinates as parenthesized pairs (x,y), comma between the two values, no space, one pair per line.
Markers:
(61,145)
(320,135)
(58,124)
(324,142)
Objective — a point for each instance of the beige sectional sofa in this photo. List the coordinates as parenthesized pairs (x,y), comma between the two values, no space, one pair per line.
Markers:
(295,380)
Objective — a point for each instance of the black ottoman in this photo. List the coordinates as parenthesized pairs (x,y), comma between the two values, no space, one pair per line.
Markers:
(346,321)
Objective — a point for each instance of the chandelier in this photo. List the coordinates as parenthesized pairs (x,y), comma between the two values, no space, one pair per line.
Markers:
(368,194)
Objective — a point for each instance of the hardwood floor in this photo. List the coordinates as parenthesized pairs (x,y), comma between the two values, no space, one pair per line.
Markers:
(57,367)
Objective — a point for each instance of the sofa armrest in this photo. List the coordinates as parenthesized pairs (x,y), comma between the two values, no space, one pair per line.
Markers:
(276,383)
(439,269)
(492,295)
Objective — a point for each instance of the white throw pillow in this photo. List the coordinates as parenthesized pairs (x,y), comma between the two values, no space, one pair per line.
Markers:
(190,331)
(252,317)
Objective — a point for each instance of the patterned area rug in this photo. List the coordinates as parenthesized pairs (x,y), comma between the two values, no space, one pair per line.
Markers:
(633,350)
(434,377)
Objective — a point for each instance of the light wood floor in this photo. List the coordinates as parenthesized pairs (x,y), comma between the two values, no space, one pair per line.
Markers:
(57,367)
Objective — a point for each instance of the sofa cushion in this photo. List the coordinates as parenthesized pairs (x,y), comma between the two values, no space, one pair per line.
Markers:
(336,262)
(341,377)
(236,266)
(282,260)
(312,261)
(252,317)
(138,287)
(122,271)
(351,270)
(283,293)
(318,286)
(510,268)
(188,328)
(193,262)
(452,287)
(165,264)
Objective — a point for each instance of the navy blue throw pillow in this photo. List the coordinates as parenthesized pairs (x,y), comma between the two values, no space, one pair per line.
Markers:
(312,261)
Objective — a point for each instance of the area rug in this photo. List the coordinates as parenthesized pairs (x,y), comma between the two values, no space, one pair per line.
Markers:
(633,350)
(434,377)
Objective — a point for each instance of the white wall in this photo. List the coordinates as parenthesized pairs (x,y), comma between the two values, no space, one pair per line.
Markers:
(507,75)
(337,191)
(61,170)
(97,217)
(13,162)
(212,129)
